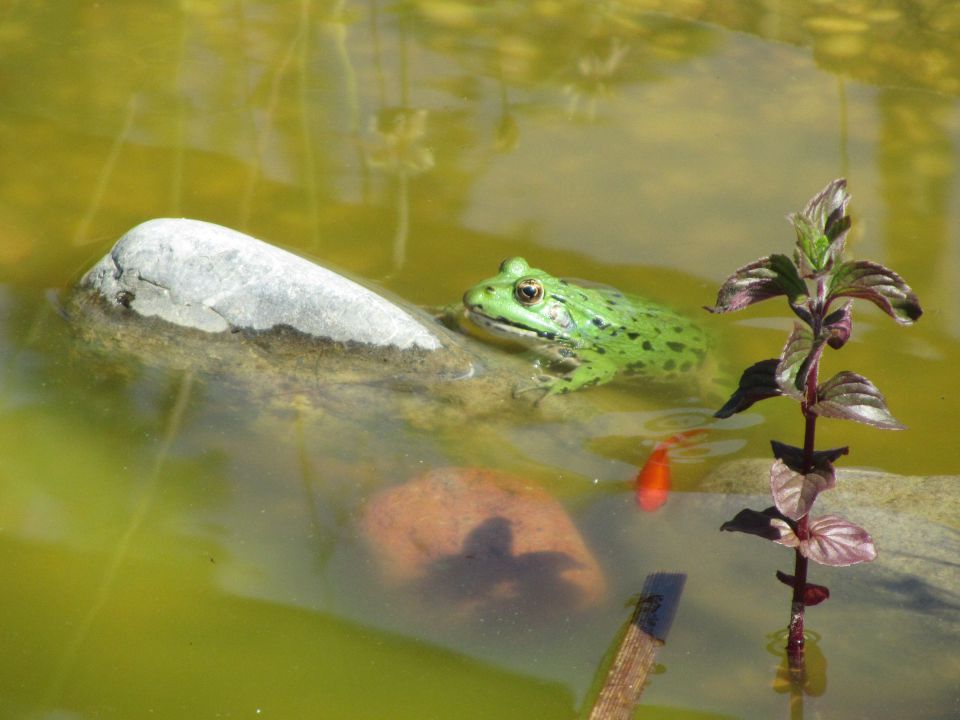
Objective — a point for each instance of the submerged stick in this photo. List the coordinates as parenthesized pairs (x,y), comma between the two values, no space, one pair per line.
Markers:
(646,632)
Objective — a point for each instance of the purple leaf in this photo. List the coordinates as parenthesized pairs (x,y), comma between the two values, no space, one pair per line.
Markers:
(795,360)
(787,534)
(828,208)
(767,524)
(880,285)
(794,493)
(803,312)
(835,541)
(812,594)
(758,382)
(760,280)
(793,456)
(850,396)
(838,325)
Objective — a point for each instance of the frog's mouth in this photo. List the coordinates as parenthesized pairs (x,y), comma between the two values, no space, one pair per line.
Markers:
(506,328)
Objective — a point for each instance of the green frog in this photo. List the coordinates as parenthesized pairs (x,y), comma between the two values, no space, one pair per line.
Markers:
(584,336)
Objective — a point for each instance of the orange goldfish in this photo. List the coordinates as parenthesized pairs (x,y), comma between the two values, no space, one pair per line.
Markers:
(652,484)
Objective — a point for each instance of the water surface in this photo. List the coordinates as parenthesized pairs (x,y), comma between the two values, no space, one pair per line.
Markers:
(177,546)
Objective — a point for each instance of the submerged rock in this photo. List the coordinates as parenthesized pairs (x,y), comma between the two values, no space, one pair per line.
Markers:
(914,521)
(482,542)
(199,275)
(932,497)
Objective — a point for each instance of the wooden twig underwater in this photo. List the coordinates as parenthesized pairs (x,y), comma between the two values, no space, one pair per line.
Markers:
(646,632)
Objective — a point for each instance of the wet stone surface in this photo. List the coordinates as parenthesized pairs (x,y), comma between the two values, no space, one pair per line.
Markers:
(914,521)
(200,275)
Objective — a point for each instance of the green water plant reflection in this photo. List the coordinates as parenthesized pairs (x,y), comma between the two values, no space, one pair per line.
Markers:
(399,145)
(399,150)
(596,72)
(819,284)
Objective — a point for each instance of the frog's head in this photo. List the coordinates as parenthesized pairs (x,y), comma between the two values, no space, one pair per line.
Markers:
(522,303)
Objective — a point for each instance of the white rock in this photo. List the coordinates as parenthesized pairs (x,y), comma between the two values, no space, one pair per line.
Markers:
(205,276)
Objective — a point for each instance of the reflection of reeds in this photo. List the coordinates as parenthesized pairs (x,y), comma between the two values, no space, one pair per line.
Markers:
(39,319)
(844,125)
(122,548)
(263,134)
(180,124)
(338,28)
(381,78)
(106,172)
(403,221)
(299,49)
(399,151)
(308,151)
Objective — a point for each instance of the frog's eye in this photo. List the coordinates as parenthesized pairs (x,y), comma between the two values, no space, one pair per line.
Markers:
(529,291)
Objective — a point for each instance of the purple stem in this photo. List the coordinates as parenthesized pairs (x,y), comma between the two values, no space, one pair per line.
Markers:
(795,638)
(797,606)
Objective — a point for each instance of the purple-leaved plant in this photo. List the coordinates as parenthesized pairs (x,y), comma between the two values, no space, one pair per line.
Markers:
(819,285)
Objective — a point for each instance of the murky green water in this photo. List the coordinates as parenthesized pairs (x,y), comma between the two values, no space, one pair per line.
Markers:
(175,546)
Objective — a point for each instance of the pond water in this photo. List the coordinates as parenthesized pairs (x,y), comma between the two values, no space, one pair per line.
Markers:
(176,545)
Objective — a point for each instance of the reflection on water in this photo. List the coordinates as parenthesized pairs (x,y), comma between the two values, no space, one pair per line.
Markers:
(399,151)
(161,537)
(808,680)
